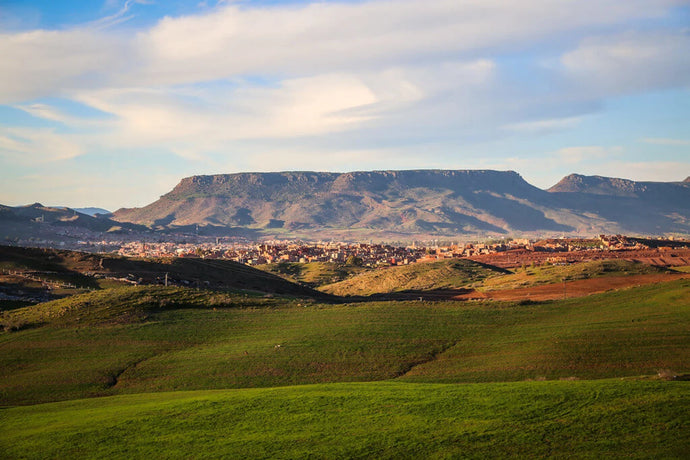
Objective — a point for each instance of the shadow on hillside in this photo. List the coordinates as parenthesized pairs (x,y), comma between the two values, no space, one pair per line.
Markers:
(420,295)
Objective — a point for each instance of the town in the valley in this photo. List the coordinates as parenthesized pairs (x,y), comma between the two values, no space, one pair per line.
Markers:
(505,253)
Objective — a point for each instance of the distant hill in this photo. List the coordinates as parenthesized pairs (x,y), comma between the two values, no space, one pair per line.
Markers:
(390,204)
(86,269)
(418,279)
(93,211)
(46,221)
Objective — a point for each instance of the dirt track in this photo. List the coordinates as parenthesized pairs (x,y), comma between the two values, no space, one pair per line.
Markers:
(578,288)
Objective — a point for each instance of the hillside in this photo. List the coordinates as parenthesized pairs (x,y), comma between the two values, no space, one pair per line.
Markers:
(415,279)
(89,271)
(313,274)
(549,274)
(59,225)
(597,419)
(113,342)
(390,204)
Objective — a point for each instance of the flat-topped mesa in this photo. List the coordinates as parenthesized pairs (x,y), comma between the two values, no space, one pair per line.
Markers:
(358,180)
(598,185)
(421,202)
(624,188)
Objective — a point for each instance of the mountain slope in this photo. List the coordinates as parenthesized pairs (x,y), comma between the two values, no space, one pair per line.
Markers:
(51,222)
(422,201)
(628,206)
(416,202)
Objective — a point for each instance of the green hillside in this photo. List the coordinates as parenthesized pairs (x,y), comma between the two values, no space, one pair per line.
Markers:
(313,274)
(444,274)
(597,419)
(97,348)
(548,274)
(92,271)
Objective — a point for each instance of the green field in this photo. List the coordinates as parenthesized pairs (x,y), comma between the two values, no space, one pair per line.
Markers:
(596,419)
(183,373)
(145,342)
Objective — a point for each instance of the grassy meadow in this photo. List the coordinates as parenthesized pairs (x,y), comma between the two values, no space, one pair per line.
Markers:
(176,372)
(561,419)
(146,343)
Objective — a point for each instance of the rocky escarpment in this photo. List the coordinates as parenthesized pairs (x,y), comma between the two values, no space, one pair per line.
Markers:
(433,202)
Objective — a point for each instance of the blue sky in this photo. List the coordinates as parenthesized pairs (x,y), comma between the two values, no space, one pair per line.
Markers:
(111,103)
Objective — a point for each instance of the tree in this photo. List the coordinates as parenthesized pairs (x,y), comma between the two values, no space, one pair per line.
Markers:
(354,260)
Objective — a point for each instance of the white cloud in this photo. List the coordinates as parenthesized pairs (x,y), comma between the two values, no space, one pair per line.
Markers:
(576,155)
(634,61)
(205,120)
(653,171)
(292,41)
(665,141)
(327,37)
(543,125)
(50,63)
(32,145)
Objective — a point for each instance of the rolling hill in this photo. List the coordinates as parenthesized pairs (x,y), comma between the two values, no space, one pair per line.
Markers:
(176,372)
(149,339)
(416,202)
(420,278)
(87,271)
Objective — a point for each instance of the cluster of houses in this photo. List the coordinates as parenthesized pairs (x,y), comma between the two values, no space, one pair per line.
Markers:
(367,254)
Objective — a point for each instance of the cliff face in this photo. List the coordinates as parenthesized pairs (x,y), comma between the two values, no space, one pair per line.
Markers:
(441,202)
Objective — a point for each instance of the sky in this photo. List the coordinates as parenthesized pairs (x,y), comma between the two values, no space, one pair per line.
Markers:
(110,103)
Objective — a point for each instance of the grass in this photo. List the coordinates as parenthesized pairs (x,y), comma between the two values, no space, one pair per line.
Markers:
(124,305)
(232,344)
(445,274)
(597,419)
(549,274)
(269,377)
(606,335)
(313,274)
(78,268)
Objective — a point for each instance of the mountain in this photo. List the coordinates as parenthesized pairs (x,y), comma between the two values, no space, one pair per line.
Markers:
(628,206)
(45,222)
(388,204)
(93,212)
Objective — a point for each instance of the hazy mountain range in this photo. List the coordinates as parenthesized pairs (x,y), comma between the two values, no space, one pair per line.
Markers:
(388,204)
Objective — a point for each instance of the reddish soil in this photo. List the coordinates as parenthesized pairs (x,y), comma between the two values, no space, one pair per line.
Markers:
(517,258)
(577,288)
